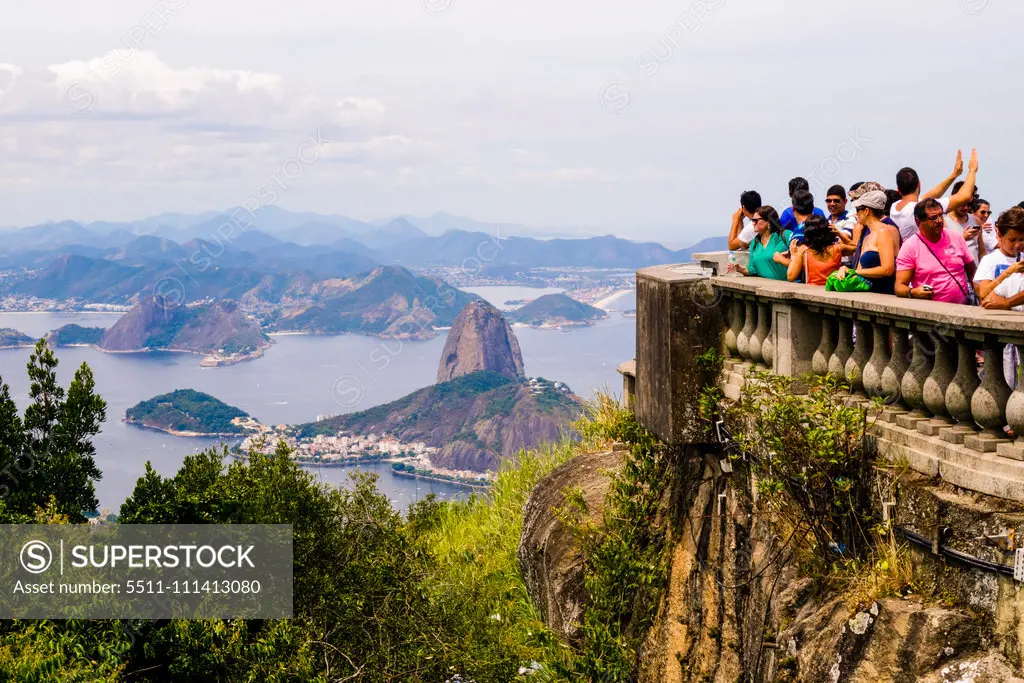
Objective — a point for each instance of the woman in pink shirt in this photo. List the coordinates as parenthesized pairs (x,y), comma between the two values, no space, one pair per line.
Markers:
(935,262)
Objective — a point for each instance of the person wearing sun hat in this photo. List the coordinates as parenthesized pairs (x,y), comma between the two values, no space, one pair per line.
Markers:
(864,188)
(855,193)
(878,243)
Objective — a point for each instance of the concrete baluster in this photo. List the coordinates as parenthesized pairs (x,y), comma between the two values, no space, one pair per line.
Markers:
(756,342)
(879,359)
(844,349)
(819,363)
(735,325)
(768,346)
(749,323)
(858,360)
(892,376)
(1015,409)
(988,404)
(965,383)
(915,376)
(939,379)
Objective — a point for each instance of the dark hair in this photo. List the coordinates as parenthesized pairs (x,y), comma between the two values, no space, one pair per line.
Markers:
(803,202)
(798,183)
(921,210)
(891,197)
(769,214)
(1020,205)
(836,191)
(819,235)
(907,181)
(958,185)
(853,188)
(1011,219)
(976,204)
(750,200)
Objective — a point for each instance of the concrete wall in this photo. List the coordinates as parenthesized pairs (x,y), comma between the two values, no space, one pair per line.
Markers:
(678,319)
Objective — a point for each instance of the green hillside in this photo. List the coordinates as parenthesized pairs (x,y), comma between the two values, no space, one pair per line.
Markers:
(186,410)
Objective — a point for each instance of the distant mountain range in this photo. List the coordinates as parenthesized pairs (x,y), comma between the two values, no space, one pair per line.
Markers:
(324,245)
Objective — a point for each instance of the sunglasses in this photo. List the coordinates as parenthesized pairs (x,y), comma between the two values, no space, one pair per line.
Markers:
(833,201)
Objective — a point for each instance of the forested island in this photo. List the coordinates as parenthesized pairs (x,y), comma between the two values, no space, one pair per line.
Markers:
(557,310)
(76,335)
(187,412)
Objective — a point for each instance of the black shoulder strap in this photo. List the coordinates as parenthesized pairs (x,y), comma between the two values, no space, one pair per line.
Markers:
(951,276)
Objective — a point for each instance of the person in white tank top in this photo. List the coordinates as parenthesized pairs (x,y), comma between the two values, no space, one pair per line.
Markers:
(909,185)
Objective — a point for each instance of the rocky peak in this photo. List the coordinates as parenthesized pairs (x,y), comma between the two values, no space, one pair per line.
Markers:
(480,339)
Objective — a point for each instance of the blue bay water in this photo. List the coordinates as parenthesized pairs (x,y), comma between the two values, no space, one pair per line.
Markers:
(298,378)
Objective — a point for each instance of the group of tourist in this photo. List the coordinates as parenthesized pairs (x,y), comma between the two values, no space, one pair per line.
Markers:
(922,245)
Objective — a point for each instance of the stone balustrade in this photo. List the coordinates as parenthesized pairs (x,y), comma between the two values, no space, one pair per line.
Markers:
(945,413)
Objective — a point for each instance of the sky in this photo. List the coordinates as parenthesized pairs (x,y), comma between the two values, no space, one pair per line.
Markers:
(645,120)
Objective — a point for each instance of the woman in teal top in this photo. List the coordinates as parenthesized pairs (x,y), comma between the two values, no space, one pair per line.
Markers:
(770,240)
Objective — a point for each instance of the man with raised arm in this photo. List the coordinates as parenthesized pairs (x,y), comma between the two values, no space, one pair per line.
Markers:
(742,232)
(909,185)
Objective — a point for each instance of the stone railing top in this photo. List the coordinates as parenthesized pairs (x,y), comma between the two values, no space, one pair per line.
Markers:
(675,272)
(973,321)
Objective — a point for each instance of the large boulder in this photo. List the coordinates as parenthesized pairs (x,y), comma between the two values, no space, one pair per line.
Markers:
(550,561)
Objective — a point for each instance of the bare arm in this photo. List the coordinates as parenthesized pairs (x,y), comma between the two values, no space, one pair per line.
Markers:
(903,278)
(966,193)
(985,287)
(941,188)
(796,264)
(886,246)
(1002,303)
(735,243)
(971,268)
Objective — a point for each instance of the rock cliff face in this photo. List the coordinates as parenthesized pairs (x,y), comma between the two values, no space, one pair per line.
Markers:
(480,340)
(156,324)
(736,606)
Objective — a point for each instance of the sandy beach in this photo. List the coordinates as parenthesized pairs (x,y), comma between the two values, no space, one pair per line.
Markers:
(609,302)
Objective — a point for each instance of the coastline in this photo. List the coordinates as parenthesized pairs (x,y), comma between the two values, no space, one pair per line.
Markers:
(356,462)
(172,432)
(402,337)
(118,313)
(610,300)
(455,482)
(209,360)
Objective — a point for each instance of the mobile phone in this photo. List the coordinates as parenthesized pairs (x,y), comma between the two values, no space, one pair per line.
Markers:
(926,288)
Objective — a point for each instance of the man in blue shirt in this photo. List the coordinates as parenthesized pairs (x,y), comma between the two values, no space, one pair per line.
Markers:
(788,220)
(803,208)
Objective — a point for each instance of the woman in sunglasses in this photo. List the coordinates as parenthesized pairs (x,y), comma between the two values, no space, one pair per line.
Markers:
(769,240)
